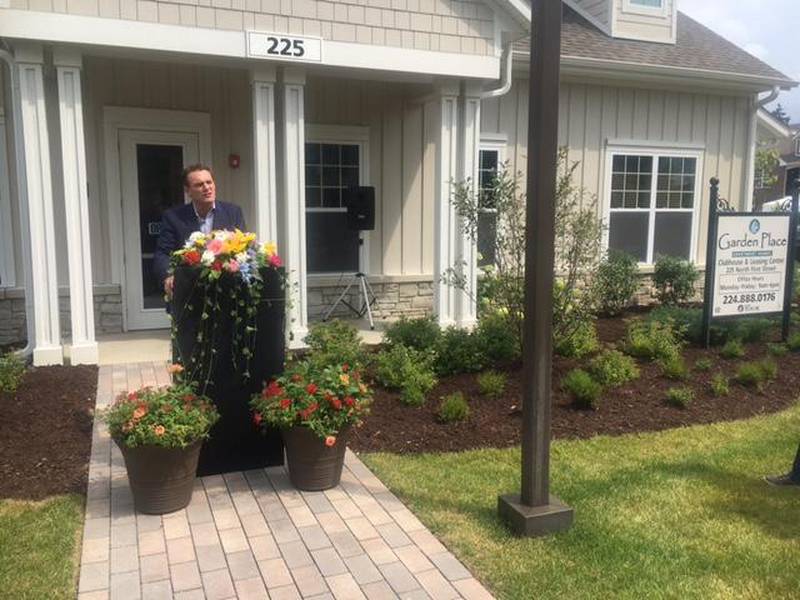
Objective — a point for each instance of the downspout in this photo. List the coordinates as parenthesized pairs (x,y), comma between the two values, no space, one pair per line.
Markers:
(22,193)
(758,104)
(506,65)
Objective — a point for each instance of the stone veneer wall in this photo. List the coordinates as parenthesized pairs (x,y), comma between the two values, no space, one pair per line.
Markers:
(107,312)
(394,299)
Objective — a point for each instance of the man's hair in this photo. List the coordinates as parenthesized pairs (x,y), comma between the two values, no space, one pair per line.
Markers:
(193,169)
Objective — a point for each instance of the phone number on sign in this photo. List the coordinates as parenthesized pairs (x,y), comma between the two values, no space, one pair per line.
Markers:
(745,298)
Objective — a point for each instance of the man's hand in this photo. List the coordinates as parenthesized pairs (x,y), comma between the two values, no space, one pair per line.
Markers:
(169,282)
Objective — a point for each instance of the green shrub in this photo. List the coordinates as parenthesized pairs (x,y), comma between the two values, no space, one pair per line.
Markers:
(458,351)
(12,368)
(674,367)
(703,365)
(453,408)
(498,338)
(732,349)
(778,349)
(793,343)
(612,368)
(750,331)
(674,279)
(492,384)
(581,342)
(687,323)
(334,343)
(408,370)
(421,334)
(680,397)
(584,390)
(769,368)
(755,374)
(719,385)
(652,340)
(616,282)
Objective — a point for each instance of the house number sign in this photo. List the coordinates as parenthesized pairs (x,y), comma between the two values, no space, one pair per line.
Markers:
(282,46)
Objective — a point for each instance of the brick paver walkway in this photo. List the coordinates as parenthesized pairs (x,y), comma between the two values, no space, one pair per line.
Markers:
(252,535)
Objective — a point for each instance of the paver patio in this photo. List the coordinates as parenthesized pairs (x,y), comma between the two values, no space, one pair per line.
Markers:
(252,535)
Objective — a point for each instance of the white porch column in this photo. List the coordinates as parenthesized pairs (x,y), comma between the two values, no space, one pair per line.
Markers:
(469,139)
(445,222)
(293,177)
(46,344)
(76,204)
(262,82)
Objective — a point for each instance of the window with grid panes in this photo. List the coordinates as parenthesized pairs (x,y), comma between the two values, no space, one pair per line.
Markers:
(330,169)
(652,205)
(488,162)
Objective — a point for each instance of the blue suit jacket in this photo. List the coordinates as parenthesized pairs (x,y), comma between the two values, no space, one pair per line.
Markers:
(178,223)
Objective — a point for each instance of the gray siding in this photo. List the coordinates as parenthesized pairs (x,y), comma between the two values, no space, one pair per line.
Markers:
(593,114)
(465,26)
(599,10)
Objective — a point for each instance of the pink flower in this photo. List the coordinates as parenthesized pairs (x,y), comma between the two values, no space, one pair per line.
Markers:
(275,261)
(330,441)
(232,266)
(215,246)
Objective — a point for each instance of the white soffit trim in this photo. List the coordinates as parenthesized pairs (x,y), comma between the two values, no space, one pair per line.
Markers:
(773,125)
(76,29)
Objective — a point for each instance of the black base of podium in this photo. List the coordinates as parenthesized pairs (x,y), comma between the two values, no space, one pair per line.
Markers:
(236,444)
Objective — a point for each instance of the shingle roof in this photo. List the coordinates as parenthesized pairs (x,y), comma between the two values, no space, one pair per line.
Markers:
(697,47)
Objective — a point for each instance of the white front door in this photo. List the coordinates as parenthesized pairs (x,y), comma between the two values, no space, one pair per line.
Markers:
(150,175)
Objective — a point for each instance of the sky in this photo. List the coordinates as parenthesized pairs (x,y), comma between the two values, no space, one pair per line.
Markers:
(767,29)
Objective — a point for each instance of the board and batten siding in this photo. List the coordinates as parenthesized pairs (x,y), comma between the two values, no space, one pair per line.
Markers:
(593,115)
(641,24)
(465,26)
(402,159)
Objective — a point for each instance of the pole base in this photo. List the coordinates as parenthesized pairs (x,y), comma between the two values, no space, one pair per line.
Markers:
(534,521)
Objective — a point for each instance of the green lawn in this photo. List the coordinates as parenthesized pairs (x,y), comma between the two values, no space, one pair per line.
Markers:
(39,549)
(679,514)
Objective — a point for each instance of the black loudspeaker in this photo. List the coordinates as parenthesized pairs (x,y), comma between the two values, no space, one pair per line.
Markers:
(360,203)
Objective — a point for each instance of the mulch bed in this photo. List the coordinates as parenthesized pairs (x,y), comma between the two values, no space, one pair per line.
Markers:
(46,433)
(637,407)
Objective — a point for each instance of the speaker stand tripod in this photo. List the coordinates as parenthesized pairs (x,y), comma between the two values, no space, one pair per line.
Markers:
(367,297)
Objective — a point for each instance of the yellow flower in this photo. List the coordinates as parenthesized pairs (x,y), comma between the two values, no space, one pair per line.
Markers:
(270,249)
(344,378)
(175,368)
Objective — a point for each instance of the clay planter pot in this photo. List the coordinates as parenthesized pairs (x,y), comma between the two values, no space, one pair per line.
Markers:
(161,479)
(313,466)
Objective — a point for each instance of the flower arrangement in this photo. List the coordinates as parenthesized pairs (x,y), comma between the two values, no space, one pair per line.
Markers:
(172,417)
(218,257)
(232,252)
(326,401)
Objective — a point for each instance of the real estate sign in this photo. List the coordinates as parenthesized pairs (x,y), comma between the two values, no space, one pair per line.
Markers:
(752,253)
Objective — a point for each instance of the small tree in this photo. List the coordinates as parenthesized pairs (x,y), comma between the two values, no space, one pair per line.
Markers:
(578,231)
(767,160)
(780,114)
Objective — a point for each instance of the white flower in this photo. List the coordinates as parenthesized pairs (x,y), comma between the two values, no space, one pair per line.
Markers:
(197,235)
(207,258)
(241,258)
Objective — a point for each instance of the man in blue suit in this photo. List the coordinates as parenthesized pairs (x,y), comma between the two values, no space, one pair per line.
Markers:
(204,213)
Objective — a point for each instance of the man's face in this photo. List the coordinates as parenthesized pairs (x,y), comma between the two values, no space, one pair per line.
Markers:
(201,189)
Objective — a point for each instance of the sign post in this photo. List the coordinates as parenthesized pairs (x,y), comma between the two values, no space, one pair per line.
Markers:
(533,512)
(749,264)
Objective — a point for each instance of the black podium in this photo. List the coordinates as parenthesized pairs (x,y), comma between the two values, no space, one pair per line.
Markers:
(236,444)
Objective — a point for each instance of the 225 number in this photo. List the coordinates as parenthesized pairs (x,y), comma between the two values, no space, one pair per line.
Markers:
(285,47)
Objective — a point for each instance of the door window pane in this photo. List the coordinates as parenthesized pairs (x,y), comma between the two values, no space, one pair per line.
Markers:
(158,171)
(487,232)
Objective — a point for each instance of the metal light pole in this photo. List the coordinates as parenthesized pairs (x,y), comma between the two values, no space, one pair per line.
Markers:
(534,511)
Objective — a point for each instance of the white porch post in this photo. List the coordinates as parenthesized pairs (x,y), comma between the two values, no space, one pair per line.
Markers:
(76,204)
(293,167)
(263,88)
(467,250)
(46,344)
(444,296)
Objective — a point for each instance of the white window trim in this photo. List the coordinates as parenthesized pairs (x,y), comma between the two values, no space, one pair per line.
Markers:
(7,268)
(797,146)
(352,135)
(655,152)
(493,143)
(652,11)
